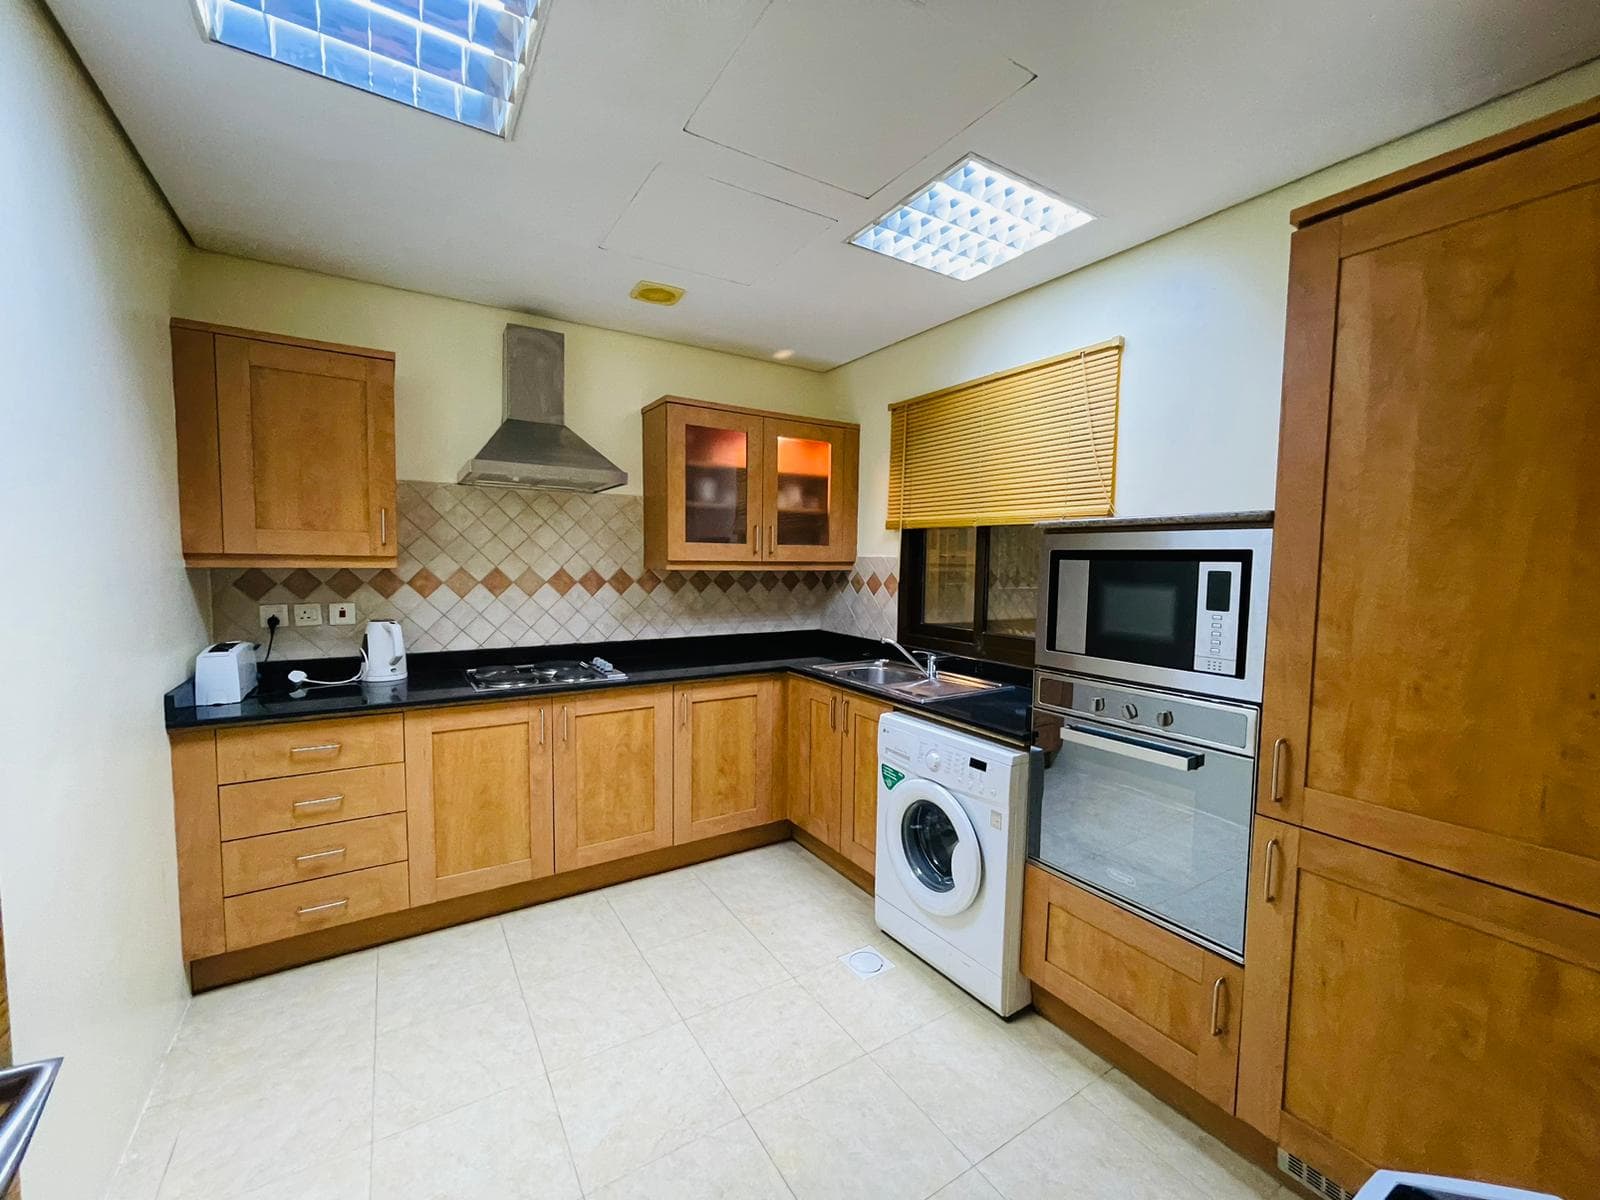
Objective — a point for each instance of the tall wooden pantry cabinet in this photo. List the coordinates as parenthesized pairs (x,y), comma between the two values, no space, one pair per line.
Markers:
(1423,947)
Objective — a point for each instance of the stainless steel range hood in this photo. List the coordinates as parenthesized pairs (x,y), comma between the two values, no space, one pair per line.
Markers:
(533,448)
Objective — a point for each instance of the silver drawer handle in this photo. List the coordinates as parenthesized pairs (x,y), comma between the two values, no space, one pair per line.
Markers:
(316,908)
(320,802)
(319,855)
(1219,989)
(325,748)
(1127,747)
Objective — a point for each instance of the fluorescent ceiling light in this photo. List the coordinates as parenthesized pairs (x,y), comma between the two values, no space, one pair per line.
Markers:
(970,220)
(463,59)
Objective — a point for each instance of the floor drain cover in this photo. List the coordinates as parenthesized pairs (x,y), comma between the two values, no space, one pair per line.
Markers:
(866,962)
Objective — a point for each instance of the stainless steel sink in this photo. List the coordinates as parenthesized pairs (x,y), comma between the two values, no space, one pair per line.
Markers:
(905,681)
(881,672)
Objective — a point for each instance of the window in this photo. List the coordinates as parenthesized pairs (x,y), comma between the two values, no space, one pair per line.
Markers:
(969,220)
(942,606)
(467,60)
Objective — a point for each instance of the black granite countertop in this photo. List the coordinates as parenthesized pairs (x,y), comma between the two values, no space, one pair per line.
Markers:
(436,680)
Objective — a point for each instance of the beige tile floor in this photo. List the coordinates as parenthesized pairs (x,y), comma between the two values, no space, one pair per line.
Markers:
(691,1035)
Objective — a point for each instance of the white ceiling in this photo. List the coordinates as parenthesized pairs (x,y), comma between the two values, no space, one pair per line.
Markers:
(732,147)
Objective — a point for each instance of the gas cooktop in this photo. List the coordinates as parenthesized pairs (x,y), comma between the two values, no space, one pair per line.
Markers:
(556,672)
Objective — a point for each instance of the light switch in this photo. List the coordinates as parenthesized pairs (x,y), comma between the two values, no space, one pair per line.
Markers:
(308,614)
(341,612)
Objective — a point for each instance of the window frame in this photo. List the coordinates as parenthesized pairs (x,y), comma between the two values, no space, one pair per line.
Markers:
(977,642)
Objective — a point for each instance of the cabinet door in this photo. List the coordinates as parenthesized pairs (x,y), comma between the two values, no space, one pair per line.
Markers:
(712,479)
(858,792)
(816,759)
(722,757)
(1405,1017)
(306,440)
(613,770)
(477,798)
(1432,654)
(809,492)
(1174,1003)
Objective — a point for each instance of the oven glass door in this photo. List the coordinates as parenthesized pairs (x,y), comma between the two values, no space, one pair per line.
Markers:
(1157,825)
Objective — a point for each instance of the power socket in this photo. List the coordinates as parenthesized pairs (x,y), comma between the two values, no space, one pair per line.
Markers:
(308,614)
(341,612)
(268,611)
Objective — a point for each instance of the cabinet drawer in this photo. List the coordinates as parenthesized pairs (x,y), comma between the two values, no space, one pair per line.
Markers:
(279,858)
(308,746)
(1174,1003)
(274,805)
(283,912)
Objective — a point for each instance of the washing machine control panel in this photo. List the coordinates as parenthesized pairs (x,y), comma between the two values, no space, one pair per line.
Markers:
(971,774)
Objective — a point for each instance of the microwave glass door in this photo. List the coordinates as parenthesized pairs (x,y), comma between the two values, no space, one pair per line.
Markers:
(1160,826)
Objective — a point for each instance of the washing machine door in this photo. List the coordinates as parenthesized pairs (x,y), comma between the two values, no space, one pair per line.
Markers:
(933,847)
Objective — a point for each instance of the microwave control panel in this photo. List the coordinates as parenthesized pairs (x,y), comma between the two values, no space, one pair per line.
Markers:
(1216,622)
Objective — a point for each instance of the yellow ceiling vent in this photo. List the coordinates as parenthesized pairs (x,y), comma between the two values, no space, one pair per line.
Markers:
(656,293)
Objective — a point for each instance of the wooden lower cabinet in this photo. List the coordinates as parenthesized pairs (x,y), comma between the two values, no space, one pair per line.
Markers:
(478,798)
(816,758)
(1401,1016)
(1174,1003)
(613,775)
(858,793)
(723,756)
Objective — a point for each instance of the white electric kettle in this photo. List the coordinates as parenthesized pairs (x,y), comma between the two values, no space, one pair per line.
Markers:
(385,649)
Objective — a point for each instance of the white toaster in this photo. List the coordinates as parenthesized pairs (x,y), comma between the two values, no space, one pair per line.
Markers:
(225,673)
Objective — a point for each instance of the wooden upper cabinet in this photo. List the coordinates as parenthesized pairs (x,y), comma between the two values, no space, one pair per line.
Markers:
(1404,1017)
(478,801)
(816,758)
(1432,658)
(285,449)
(613,775)
(858,790)
(723,756)
(739,488)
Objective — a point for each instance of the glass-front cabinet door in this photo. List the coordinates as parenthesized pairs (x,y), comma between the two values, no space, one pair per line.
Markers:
(808,502)
(714,462)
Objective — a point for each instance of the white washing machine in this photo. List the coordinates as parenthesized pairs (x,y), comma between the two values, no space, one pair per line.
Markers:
(952,840)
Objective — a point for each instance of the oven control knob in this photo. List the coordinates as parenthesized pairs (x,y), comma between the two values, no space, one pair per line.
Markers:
(1131,712)
(1164,719)
(1099,704)
(932,760)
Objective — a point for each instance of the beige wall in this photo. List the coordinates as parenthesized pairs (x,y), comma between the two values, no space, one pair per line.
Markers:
(100,618)
(447,371)
(1203,313)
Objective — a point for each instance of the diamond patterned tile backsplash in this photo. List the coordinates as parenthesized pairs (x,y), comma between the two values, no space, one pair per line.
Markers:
(492,567)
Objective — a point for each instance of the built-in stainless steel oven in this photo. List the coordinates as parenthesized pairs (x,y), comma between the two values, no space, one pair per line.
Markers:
(1181,608)
(1146,800)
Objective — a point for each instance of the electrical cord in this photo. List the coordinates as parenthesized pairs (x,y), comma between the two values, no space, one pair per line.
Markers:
(272,634)
(300,677)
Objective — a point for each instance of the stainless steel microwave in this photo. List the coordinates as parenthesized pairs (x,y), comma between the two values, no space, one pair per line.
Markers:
(1183,608)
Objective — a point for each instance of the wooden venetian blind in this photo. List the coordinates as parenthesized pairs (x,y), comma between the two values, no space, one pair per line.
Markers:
(1035,443)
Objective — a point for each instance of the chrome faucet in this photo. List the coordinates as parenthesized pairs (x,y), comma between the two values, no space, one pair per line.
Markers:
(929,666)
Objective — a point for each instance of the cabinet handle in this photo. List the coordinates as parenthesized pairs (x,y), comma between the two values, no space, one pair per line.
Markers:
(1269,885)
(772,539)
(1219,990)
(683,712)
(755,538)
(324,748)
(316,908)
(566,724)
(320,801)
(383,527)
(1278,747)
(319,855)
(833,712)
(541,726)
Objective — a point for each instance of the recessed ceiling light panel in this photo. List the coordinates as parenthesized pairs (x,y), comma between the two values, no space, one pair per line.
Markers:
(467,60)
(969,220)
